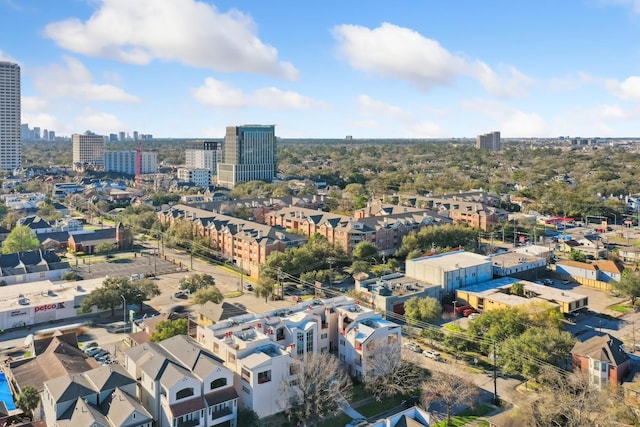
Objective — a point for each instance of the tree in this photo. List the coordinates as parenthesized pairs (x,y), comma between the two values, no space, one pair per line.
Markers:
(169,328)
(629,285)
(195,282)
(264,287)
(521,355)
(109,296)
(566,400)
(318,380)
(517,289)
(49,212)
(248,418)
(450,389)
(212,294)
(364,250)
(418,310)
(21,239)
(388,374)
(142,290)
(359,267)
(28,400)
(577,256)
(103,298)
(105,248)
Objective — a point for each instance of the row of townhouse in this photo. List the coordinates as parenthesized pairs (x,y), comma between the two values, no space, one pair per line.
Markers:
(182,385)
(265,349)
(246,243)
(382,229)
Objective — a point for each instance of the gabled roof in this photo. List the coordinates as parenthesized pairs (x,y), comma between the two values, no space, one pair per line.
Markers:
(188,352)
(608,266)
(119,408)
(69,387)
(83,413)
(604,348)
(577,264)
(217,312)
(94,238)
(109,377)
(173,374)
(34,222)
(184,408)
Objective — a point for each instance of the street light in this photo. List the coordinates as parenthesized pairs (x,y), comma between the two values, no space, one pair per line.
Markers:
(124,310)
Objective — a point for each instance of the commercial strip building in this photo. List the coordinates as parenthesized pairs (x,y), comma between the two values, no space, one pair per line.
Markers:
(497,294)
(264,349)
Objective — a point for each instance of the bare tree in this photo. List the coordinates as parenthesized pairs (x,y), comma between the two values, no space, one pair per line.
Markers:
(387,373)
(316,386)
(450,389)
(567,400)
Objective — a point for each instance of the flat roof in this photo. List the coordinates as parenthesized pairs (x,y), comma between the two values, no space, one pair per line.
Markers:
(44,292)
(511,259)
(493,289)
(453,260)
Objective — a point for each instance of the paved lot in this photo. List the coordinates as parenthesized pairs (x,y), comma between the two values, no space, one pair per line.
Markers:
(90,269)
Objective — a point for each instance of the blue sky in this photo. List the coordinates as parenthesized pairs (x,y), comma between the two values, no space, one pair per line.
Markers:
(371,69)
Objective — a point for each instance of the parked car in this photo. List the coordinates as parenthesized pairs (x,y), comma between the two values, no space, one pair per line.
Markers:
(468,312)
(248,287)
(411,401)
(432,355)
(474,316)
(547,282)
(93,351)
(412,346)
(89,346)
(181,294)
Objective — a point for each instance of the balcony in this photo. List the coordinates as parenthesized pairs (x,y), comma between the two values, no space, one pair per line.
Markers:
(221,413)
(191,423)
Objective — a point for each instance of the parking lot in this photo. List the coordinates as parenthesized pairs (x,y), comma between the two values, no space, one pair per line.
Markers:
(125,267)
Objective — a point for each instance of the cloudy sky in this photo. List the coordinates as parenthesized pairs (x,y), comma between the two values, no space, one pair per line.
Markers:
(326,69)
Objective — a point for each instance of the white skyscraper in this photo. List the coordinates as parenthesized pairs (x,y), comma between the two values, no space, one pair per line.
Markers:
(88,150)
(10,141)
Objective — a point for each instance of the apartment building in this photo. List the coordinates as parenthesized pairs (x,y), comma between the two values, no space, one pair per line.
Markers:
(246,243)
(88,150)
(10,110)
(489,141)
(125,162)
(264,349)
(383,231)
(183,385)
(199,177)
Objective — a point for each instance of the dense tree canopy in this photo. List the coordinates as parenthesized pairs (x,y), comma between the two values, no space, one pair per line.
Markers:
(20,239)
(169,328)
(194,282)
(418,310)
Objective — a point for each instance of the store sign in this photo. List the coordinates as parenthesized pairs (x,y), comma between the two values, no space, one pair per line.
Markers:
(49,307)
(16,313)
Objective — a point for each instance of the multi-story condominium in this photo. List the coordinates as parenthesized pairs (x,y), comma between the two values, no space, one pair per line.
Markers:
(384,231)
(465,210)
(10,103)
(246,243)
(248,154)
(488,141)
(125,162)
(199,177)
(88,150)
(183,385)
(207,156)
(264,349)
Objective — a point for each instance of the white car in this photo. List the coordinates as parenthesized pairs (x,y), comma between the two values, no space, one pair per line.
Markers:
(432,354)
(474,316)
(412,346)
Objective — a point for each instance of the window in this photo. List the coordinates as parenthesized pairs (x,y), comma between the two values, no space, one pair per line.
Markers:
(323,336)
(280,334)
(220,382)
(245,374)
(231,357)
(300,344)
(310,340)
(264,377)
(246,389)
(185,392)
(341,341)
(216,347)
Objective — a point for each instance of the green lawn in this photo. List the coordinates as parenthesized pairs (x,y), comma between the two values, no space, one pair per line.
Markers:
(467,416)
(620,308)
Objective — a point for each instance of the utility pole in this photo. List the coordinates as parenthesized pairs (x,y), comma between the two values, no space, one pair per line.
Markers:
(495,374)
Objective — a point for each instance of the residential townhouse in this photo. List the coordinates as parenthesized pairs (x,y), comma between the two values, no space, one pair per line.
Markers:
(183,385)
(246,243)
(383,231)
(97,395)
(264,349)
(603,359)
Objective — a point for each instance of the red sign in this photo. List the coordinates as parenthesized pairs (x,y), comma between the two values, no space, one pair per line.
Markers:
(49,307)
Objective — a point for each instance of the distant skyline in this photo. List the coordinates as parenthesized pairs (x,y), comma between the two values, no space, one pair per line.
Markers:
(370,69)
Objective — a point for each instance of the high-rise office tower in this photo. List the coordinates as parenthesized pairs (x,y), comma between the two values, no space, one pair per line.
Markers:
(88,150)
(10,142)
(248,154)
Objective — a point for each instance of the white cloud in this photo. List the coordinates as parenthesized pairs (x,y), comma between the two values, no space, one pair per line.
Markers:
(187,31)
(380,115)
(97,121)
(5,57)
(627,89)
(218,94)
(509,120)
(402,53)
(73,80)
(572,82)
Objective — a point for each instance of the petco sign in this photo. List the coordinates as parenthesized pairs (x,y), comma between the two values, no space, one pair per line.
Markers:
(49,307)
